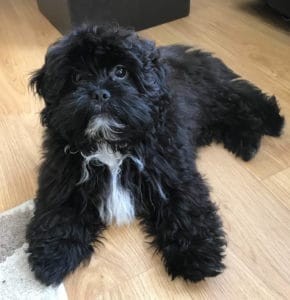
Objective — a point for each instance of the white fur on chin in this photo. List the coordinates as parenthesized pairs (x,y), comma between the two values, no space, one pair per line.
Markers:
(104,127)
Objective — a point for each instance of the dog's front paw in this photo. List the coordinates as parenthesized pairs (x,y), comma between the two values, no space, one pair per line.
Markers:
(194,261)
(52,261)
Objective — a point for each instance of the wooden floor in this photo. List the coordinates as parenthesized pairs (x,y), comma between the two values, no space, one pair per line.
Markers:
(253,197)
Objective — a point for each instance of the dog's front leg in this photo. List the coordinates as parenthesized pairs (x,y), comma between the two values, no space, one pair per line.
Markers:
(65,224)
(187,231)
(59,240)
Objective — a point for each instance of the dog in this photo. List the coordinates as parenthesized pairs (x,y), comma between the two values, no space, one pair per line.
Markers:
(123,123)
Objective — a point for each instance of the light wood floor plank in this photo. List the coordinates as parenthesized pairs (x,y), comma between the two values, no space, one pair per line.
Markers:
(279,185)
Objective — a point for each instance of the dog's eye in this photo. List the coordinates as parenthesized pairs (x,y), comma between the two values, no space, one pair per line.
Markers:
(76,77)
(120,72)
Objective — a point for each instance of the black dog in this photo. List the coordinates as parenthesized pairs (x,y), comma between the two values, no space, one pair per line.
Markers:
(123,123)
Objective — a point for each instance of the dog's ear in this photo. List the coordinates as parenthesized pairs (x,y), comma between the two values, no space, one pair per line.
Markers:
(36,82)
(49,80)
(148,48)
(151,74)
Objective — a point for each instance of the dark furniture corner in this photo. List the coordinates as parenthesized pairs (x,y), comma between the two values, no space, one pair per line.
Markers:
(137,14)
(282,6)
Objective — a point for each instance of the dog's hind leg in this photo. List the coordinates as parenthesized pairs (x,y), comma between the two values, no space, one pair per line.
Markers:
(238,116)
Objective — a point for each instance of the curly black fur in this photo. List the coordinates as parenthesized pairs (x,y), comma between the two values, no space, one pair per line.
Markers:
(174,99)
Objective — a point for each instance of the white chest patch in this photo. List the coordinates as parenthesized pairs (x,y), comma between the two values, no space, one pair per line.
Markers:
(118,205)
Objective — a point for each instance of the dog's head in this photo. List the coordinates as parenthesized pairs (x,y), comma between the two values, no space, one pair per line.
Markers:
(100,83)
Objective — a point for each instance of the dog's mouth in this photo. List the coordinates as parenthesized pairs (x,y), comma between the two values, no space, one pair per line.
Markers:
(101,109)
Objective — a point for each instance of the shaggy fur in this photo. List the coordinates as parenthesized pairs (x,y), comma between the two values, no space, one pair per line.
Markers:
(153,107)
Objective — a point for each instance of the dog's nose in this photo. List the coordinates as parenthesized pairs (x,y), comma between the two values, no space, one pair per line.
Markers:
(101,95)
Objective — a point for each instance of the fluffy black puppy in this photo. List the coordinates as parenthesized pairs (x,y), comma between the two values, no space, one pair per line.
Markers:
(123,122)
